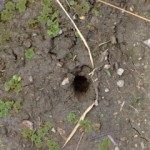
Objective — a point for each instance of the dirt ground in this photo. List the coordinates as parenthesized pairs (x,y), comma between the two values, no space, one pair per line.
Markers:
(123,112)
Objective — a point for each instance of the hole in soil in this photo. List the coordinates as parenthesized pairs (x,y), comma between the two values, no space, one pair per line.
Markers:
(80,84)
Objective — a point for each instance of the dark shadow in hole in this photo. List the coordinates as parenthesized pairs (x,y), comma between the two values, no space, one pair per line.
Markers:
(80,84)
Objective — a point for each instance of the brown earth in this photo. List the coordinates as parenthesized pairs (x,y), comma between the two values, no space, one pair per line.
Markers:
(123,112)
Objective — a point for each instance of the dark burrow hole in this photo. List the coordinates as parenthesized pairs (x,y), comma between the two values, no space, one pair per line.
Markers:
(80,84)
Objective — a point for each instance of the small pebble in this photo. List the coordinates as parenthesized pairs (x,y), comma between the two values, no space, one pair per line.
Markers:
(106,90)
(30,78)
(107,66)
(60,32)
(27,124)
(53,130)
(131,8)
(120,83)
(123,139)
(65,81)
(147,42)
(135,136)
(120,71)
(34,34)
(113,39)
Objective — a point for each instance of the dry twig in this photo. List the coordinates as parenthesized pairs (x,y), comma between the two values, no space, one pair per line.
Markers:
(81,118)
(80,34)
(126,11)
(79,141)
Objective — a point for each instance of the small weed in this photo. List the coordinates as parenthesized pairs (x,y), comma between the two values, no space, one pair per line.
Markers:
(37,136)
(44,129)
(95,12)
(52,145)
(16,106)
(21,5)
(72,2)
(71,117)
(136,100)
(86,124)
(7,13)
(13,84)
(81,8)
(7,106)
(104,145)
(10,6)
(27,133)
(70,56)
(4,38)
(37,140)
(49,17)
(30,53)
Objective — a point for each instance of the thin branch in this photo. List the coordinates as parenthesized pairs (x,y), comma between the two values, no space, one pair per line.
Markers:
(81,118)
(128,12)
(79,141)
(80,34)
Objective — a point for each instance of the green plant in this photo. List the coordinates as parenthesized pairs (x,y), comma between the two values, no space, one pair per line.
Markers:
(4,37)
(27,133)
(86,125)
(72,2)
(16,106)
(29,53)
(44,129)
(7,106)
(21,5)
(6,14)
(53,25)
(37,140)
(95,11)
(104,145)
(37,136)
(13,84)
(52,145)
(10,6)
(71,117)
(82,8)
(49,17)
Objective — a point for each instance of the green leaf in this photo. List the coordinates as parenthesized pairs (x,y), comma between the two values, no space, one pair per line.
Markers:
(72,117)
(30,53)
(72,2)
(52,145)
(13,84)
(86,124)
(44,130)
(6,15)
(21,5)
(6,107)
(47,2)
(16,106)
(104,145)
(27,133)
(10,6)
(37,140)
